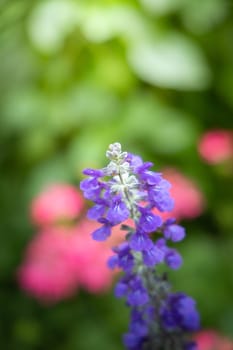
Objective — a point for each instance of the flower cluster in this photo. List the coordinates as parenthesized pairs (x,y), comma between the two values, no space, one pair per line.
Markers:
(126,189)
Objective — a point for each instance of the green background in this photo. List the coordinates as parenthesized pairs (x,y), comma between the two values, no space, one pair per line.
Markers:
(78,75)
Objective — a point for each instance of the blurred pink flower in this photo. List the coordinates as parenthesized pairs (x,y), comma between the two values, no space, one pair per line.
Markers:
(189,200)
(211,340)
(47,271)
(91,267)
(56,202)
(216,146)
(59,260)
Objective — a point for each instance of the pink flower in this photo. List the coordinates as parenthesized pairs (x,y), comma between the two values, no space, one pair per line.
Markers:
(211,340)
(91,266)
(47,271)
(216,146)
(57,202)
(189,200)
(59,260)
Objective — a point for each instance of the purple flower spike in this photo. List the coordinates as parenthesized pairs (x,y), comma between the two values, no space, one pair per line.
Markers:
(128,188)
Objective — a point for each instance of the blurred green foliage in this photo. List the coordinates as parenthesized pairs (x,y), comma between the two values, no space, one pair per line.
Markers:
(77,75)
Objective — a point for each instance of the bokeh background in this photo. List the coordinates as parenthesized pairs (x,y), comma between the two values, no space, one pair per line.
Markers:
(76,75)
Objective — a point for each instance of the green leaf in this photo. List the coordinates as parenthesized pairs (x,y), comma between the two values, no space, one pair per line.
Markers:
(161,7)
(172,61)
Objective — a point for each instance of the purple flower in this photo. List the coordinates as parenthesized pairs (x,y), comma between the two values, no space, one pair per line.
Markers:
(131,286)
(161,200)
(138,294)
(138,331)
(190,317)
(133,341)
(173,259)
(179,312)
(91,188)
(113,262)
(143,168)
(121,289)
(96,212)
(138,297)
(137,322)
(139,241)
(134,161)
(123,257)
(93,172)
(117,212)
(148,221)
(159,196)
(151,178)
(174,232)
(152,256)
(102,233)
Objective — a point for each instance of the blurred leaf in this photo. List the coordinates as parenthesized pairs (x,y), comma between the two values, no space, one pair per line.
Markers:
(113,72)
(200,16)
(88,149)
(172,61)
(225,85)
(55,169)
(161,7)
(202,265)
(223,214)
(163,128)
(27,331)
(104,23)
(24,110)
(51,21)
(226,321)
(90,104)
(36,145)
